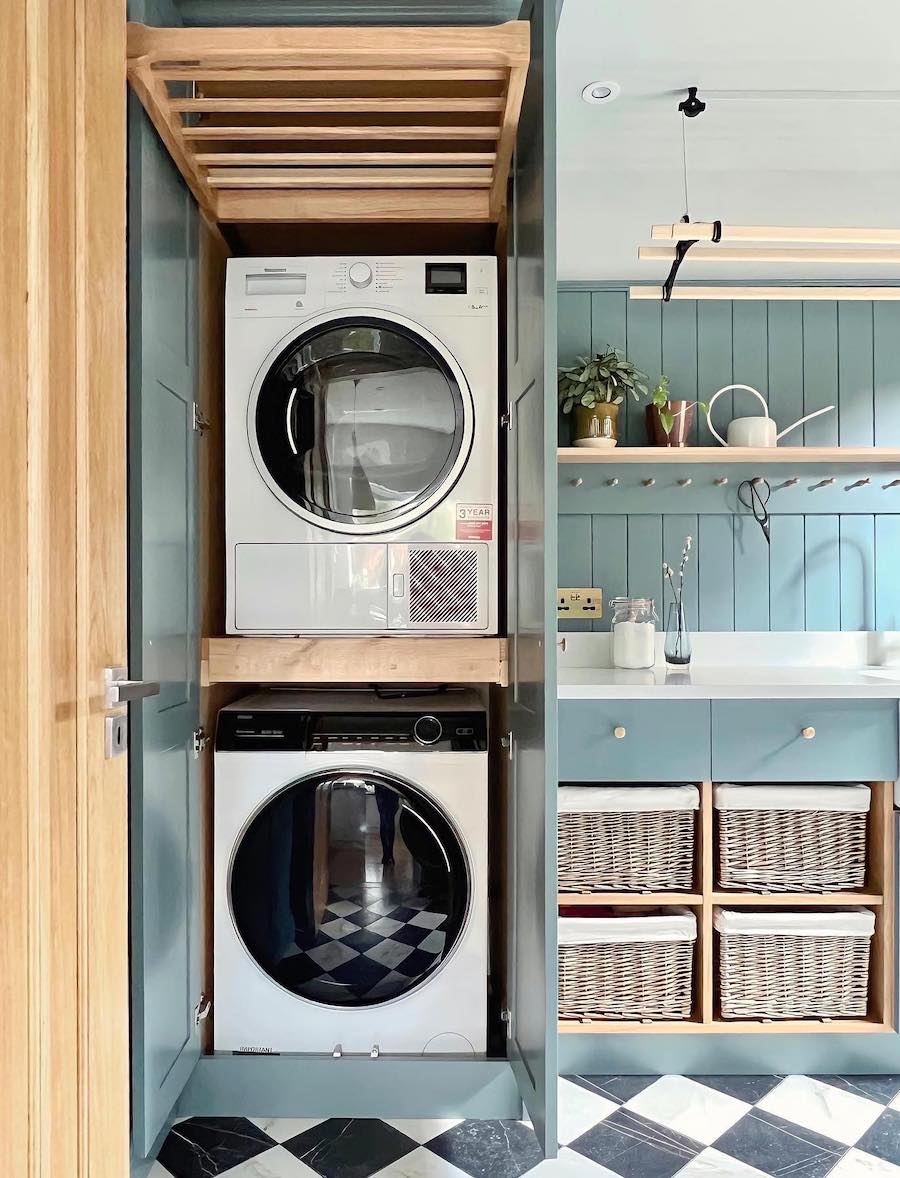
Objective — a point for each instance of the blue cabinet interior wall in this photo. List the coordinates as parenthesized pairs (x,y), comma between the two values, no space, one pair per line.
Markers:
(834,561)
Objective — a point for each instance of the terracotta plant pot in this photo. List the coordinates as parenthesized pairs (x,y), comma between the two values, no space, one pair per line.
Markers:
(597,424)
(682,428)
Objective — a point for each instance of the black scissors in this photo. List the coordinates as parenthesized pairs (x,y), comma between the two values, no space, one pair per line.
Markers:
(754,494)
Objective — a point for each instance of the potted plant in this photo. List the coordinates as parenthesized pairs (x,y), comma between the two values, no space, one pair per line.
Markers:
(594,389)
(669,423)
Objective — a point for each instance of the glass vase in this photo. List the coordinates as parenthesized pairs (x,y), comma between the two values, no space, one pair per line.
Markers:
(678,638)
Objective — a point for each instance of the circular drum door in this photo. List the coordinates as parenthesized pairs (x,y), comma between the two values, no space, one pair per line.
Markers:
(360,422)
(350,889)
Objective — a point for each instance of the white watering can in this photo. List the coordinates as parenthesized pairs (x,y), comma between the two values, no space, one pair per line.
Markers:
(756,432)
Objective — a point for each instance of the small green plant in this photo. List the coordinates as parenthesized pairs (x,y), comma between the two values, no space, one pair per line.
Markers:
(661,397)
(606,379)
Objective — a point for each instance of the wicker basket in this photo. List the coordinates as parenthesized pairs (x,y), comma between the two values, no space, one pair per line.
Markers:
(627,967)
(627,838)
(792,838)
(776,965)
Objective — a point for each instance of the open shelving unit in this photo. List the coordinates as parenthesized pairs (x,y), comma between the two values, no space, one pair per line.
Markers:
(336,124)
(877,894)
(793,455)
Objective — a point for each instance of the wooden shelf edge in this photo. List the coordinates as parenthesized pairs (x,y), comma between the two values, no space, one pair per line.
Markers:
(687,455)
(412,659)
(630,899)
(793,899)
(729,1027)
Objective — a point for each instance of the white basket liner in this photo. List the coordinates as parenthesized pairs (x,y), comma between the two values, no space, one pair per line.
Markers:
(836,799)
(678,924)
(845,922)
(626,799)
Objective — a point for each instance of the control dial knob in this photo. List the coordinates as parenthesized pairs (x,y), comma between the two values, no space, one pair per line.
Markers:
(360,274)
(428,730)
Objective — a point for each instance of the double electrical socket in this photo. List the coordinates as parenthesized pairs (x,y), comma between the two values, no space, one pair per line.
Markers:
(579,603)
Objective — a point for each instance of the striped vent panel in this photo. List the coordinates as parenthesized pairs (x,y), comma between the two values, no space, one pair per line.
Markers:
(443,585)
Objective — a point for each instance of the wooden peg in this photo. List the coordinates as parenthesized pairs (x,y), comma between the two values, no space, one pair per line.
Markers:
(648,482)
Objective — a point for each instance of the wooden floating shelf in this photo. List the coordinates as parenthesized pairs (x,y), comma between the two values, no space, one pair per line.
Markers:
(728,1027)
(334,124)
(792,455)
(354,660)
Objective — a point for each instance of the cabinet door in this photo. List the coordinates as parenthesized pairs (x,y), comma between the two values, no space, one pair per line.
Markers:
(531,612)
(163,631)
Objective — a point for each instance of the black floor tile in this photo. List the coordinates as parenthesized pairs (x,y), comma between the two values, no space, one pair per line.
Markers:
(883,1138)
(619,1089)
(880,1088)
(207,1146)
(631,1145)
(750,1089)
(350,1148)
(777,1146)
(489,1149)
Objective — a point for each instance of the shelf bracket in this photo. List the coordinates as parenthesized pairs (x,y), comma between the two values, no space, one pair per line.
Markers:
(681,251)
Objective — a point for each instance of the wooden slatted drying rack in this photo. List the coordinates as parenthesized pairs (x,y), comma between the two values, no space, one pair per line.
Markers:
(335,124)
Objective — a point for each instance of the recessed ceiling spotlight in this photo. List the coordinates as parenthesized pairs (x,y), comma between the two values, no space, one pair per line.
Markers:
(597,92)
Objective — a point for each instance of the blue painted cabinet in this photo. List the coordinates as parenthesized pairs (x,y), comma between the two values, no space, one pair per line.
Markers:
(634,740)
(166,840)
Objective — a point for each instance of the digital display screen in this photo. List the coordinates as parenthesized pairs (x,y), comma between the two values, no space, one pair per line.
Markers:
(445,277)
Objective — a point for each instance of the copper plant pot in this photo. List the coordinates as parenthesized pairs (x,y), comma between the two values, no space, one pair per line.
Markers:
(682,427)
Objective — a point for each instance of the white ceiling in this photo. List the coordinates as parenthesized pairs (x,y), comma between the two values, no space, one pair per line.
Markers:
(754,160)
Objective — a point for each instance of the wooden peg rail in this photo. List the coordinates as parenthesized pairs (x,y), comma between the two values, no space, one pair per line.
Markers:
(332,124)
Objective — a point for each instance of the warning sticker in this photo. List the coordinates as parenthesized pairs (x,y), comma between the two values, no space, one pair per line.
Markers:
(474,521)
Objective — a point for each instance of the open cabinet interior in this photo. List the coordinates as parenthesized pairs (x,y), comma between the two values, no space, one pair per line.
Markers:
(203,188)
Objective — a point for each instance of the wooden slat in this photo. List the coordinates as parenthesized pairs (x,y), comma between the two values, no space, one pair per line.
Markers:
(797,899)
(703,231)
(627,899)
(324,158)
(514,93)
(764,253)
(367,178)
(840,1026)
(356,660)
(335,47)
(875,455)
(287,74)
(773,294)
(337,133)
(250,106)
(382,205)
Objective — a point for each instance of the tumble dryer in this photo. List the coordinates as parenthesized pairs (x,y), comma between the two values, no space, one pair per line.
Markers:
(361,426)
(351,874)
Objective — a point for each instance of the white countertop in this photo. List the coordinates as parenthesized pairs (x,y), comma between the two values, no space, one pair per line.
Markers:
(740,666)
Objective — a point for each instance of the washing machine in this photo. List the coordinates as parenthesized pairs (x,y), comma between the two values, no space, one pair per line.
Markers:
(350,874)
(361,427)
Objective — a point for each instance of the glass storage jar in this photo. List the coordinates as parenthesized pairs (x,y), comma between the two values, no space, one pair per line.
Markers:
(633,628)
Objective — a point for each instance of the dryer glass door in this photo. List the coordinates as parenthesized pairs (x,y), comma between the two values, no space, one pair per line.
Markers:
(360,423)
(350,889)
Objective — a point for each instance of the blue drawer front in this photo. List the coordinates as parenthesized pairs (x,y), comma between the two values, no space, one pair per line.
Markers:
(662,741)
(855,740)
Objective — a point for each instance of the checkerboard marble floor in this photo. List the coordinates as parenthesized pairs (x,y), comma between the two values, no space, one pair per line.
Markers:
(609,1127)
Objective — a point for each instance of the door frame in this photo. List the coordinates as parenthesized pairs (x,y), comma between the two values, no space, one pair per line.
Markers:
(64,1058)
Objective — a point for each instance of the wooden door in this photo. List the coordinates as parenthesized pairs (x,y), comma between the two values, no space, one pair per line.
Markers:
(531,572)
(166,841)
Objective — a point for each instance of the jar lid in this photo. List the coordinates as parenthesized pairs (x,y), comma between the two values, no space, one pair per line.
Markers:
(633,602)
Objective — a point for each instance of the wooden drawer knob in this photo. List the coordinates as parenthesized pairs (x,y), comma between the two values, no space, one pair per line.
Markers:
(808,733)
(619,733)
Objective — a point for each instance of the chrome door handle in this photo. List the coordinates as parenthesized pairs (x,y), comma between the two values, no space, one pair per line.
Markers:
(122,690)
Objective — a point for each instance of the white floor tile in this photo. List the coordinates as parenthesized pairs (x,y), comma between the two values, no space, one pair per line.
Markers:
(343,907)
(570,1165)
(158,1171)
(895,1103)
(712,1164)
(421,1163)
(834,1113)
(275,1163)
(688,1107)
(855,1164)
(580,1110)
(423,1130)
(284,1128)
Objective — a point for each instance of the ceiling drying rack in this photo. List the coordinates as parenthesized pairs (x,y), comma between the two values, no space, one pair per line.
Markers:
(336,124)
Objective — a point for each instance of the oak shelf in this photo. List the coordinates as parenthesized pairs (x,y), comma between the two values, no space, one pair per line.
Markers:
(629,899)
(847,1026)
(686,455)
(411,659)
(336,124)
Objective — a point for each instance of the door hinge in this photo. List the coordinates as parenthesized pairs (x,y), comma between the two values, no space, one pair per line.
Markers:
(506,1017)
(506,417)
(506,743)
(202,1010)
(200,422)
(199,742)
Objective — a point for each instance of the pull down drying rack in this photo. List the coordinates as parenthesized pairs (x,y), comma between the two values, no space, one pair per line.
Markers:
(336,124)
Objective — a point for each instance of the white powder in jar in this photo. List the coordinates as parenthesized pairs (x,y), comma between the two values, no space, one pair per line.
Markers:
(634,645)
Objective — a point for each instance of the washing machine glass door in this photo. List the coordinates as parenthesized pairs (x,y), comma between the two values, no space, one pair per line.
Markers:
(361,423)
(350,889)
